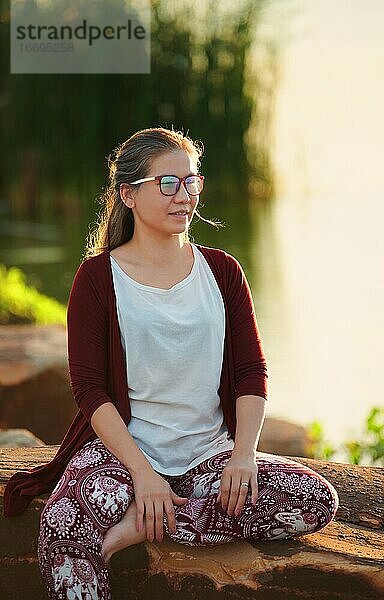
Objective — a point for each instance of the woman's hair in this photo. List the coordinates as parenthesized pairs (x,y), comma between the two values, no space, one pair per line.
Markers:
(132,160)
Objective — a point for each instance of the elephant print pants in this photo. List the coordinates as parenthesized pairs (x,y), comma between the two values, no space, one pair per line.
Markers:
(96,489)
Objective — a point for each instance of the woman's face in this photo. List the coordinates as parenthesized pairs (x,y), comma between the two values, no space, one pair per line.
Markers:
(151,209)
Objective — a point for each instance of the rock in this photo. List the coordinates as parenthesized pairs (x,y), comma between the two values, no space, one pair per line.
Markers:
(317,565)
(343,561)
(18,438)
(279,436)
(35,392)
(26,349)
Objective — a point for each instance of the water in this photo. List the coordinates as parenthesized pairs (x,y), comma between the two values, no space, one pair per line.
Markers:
(322,252)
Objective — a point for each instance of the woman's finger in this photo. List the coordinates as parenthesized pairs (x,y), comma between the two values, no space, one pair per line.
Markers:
(139,515)
(235,485)
(170,513)
(255,488)
(159,515)
(243,491)
(225,488)
(150,521)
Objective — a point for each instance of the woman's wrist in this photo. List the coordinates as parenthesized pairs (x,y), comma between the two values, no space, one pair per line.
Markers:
(140,468)
(244,452)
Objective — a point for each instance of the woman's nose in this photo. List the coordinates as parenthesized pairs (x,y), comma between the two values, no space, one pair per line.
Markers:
(182,193)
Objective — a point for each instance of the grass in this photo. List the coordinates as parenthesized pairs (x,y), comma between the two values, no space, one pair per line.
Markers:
(23,303)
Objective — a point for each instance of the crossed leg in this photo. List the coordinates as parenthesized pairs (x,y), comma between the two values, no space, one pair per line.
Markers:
(92,511)
(293,500)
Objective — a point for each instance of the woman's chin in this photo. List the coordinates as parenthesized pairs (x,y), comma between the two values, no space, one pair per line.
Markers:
(180,227)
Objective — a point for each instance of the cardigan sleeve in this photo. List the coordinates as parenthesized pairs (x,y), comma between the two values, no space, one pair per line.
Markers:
(87,342)
(248,354)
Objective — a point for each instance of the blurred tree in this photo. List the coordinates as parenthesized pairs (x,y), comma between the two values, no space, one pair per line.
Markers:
(55,128)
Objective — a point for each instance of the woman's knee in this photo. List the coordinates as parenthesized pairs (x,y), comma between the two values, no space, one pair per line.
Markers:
(305,501)
(312,510)
(330,500)
(321,493)
(94,483)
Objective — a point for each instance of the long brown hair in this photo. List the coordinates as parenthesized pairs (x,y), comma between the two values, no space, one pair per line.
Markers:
(132,160)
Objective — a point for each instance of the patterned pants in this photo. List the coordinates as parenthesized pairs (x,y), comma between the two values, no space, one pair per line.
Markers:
(96,489)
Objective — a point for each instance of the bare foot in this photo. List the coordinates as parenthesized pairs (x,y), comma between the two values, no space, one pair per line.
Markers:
(122,535)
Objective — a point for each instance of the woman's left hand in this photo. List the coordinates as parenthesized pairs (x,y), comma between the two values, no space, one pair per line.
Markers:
(232,494)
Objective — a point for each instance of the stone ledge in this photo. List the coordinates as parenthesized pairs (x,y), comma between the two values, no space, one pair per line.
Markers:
(334,563)
(344,561)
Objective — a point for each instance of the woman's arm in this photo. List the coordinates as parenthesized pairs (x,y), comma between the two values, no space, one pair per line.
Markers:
(250,414)
(248,355)
(153,494)
(250,392)
(87,331)
(87,342)
(242,466)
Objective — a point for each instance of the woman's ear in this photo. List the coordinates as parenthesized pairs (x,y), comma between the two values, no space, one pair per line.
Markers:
(126,195)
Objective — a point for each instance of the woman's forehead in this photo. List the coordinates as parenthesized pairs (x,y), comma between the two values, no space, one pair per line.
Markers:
(174,160)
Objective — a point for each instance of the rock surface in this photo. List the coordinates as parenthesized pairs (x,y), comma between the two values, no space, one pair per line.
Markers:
(343,561)
(34,382)
(20,438)
(26,350)
(280,436)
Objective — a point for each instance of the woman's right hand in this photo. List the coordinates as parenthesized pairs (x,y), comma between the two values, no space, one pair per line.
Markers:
(153,497)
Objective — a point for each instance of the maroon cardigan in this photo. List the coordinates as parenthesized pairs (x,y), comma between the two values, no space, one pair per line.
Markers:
(97,365)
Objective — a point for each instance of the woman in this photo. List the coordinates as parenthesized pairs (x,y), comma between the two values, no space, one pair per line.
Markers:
(167,368)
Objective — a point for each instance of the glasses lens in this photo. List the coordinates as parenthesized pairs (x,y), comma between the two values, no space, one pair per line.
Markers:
(169,185)
(194,185)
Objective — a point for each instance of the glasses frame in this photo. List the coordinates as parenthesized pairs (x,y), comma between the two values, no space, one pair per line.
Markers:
(182,180)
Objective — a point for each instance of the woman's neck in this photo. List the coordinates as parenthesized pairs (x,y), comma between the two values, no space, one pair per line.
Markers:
(169,251)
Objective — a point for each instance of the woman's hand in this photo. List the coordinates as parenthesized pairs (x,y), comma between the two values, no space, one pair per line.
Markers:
(153,497)
(232,494)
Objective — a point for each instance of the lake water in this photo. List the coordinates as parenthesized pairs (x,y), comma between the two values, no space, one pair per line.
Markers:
(322,293)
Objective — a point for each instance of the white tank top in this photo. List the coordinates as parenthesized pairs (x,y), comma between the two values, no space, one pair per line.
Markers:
(173,342)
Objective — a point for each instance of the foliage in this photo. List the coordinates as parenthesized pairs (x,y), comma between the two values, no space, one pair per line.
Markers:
(368,449)
(20,302)
(319,446)
(200,71)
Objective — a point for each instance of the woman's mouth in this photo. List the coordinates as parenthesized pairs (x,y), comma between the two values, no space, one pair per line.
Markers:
(181,214)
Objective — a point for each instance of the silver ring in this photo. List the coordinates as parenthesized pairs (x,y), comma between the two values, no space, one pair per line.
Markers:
(244,483)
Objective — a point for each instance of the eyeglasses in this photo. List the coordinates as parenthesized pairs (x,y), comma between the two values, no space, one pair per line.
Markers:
(170,184)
